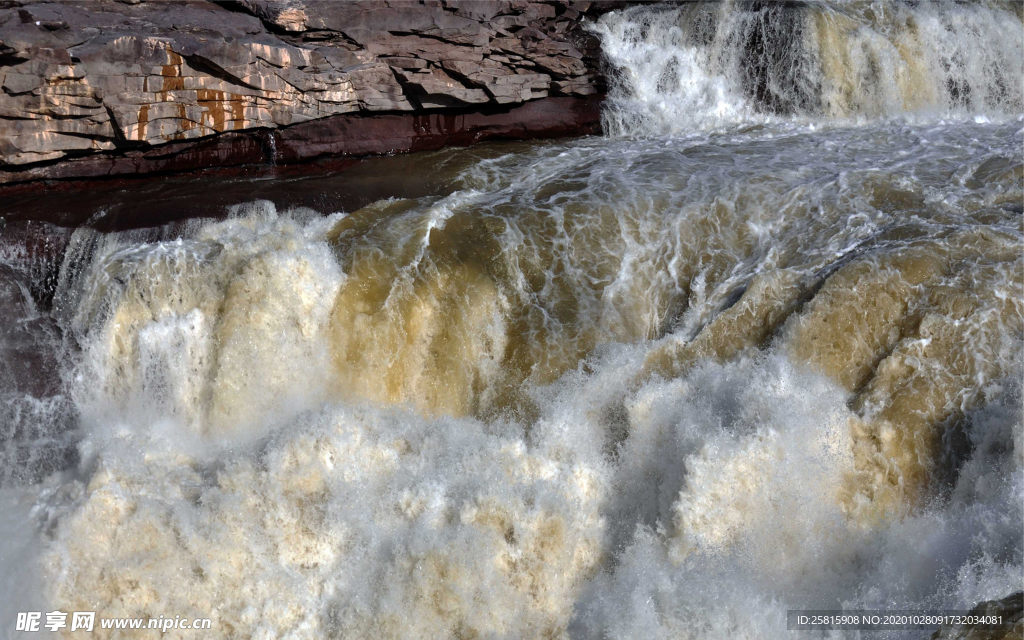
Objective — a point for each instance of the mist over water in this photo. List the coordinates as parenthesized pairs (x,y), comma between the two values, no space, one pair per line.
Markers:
(758,348)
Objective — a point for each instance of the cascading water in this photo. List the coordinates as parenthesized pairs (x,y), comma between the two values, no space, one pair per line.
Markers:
(705,65)
(759,348)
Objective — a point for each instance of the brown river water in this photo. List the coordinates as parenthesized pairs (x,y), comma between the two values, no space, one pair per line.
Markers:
(757,348)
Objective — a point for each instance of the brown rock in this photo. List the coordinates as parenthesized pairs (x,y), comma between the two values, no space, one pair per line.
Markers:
(111,78)
(348,135)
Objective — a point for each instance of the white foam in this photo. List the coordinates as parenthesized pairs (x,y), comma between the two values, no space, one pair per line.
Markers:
(709,65)
(227,473)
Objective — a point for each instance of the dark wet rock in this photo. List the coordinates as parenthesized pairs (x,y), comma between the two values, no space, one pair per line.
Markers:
(1010,609)
(36,420)
(28,340)
(117,80)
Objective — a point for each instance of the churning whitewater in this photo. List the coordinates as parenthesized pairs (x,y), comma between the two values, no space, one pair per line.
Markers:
(759,348)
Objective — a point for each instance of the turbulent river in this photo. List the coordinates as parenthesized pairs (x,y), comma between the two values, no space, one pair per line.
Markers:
(757,348)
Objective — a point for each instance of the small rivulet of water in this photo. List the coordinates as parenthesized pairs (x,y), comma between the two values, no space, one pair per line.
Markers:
(758,348)
(272,148)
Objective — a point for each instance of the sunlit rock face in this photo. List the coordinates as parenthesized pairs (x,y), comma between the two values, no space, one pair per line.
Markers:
(98,76)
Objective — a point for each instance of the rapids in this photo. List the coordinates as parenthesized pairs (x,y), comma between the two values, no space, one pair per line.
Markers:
(758,348)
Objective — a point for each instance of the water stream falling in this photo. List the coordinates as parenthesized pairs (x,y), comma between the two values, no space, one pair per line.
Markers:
(758,348)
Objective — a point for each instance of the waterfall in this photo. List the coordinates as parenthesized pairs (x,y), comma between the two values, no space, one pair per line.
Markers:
(708,64)
(759,349)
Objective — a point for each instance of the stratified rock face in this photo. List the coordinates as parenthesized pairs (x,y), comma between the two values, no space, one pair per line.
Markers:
(102,75)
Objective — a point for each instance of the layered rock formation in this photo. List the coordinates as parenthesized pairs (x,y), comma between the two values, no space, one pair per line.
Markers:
(116,87)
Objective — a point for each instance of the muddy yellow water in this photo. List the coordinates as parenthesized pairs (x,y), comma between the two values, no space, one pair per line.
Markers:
(759,348)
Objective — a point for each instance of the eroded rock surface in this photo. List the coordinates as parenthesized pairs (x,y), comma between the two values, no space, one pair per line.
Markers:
(114,75)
